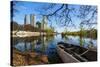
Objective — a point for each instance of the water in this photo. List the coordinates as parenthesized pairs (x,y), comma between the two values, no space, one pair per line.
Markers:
(76,41)
(47,44)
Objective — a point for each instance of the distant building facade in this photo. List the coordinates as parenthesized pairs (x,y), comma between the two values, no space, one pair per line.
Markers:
(32,20)
(44,23)
(26,19)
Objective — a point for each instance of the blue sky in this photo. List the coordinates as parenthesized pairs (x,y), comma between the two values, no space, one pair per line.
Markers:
(33,8)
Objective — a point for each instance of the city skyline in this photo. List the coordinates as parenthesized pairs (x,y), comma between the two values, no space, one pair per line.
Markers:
(27,8)
(30,19)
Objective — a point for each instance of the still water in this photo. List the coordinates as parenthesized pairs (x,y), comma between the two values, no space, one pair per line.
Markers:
(47,44)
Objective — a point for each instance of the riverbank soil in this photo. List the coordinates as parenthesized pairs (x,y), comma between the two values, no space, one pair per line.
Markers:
(28,58)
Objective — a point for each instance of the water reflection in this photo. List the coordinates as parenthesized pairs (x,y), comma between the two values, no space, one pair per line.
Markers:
(46,45)
(76,41)
(38,44)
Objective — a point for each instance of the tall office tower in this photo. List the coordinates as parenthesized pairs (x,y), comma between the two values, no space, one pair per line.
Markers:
(44,22)
(32,20)
(26,19)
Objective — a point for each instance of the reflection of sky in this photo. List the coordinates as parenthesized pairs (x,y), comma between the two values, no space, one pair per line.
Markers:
(47,46)
(22,47)
(76,41)
(31,8)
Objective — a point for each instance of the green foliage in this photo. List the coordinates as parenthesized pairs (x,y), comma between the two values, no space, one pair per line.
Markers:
(38,24)
(49,30)
(83,33)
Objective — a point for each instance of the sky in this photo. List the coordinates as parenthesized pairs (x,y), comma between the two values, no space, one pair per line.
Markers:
(36,8)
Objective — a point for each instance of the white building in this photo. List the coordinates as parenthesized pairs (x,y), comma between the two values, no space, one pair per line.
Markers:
(32,20)
(44,23)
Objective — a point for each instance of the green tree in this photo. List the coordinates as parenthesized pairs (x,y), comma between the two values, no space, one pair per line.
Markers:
(38,24)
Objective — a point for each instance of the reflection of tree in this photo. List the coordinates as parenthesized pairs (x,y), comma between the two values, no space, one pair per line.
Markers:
(14,41)
(81,35)
(43,44)
(25,46)
(32,45)
(43,41)
(49,38)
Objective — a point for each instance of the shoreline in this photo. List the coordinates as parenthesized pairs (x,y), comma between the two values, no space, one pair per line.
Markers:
(28,33)
(28,58)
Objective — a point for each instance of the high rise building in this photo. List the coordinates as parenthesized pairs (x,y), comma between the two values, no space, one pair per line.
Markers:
(32,20)
(44,22)
(26,19)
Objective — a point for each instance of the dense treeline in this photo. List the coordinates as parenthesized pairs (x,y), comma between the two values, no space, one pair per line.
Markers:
(28,27)
(84,33)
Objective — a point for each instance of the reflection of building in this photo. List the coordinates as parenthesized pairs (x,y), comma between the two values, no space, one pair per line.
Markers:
(32,20)
(44,22)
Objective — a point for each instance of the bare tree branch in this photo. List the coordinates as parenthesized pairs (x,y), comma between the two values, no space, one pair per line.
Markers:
(56,10)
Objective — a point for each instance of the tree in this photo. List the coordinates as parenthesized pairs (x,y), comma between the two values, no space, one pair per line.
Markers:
(28,27)
(60,13)
(38,24)
(13,8)
(63,13)
(85,11)
(14,26)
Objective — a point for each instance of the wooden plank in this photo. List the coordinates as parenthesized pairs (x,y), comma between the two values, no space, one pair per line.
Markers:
(66,57)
